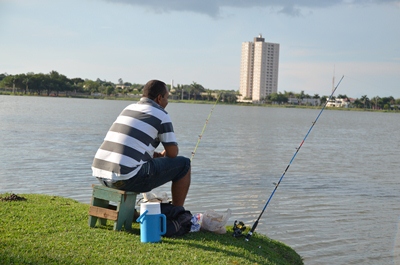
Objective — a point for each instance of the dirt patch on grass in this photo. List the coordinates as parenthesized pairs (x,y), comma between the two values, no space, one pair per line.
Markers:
(13,197)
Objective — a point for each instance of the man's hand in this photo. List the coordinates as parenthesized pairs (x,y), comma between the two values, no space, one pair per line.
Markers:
(170,151)
(156,154)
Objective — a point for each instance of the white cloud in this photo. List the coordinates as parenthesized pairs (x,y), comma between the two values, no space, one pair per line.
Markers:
(213,7)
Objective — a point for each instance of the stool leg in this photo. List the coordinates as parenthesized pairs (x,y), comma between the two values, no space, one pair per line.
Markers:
(125,208)
(92,221)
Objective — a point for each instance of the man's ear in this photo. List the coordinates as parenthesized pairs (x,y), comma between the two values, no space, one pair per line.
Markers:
(158,99)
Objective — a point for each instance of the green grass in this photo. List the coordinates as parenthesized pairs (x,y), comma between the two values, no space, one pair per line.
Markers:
(46,229)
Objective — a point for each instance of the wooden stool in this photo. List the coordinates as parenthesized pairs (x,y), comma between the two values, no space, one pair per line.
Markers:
(121,214)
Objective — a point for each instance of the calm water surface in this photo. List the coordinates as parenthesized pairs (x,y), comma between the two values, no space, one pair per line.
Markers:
(339,202)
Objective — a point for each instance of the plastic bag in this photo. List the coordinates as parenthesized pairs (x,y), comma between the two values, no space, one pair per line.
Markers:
(196,222)
(152,197)
(215,221)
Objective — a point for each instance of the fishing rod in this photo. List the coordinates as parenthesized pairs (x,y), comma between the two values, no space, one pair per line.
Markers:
(204,127)
(291,160)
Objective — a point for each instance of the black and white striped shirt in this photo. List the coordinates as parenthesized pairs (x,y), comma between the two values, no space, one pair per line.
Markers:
(132,139)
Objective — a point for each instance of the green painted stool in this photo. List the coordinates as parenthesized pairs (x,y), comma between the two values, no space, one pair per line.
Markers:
(121,214)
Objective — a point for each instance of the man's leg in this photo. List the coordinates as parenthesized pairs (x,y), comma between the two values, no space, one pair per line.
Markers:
(179,189)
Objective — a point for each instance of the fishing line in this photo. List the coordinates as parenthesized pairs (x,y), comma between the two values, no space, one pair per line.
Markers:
(297,150)
(204,127)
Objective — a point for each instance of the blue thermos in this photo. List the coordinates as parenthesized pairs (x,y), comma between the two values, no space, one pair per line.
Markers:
(153,224)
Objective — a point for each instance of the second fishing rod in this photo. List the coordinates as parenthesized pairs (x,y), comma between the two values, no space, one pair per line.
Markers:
(250,233)
(204,127)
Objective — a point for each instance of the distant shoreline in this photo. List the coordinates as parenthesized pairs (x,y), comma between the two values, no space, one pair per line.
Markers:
(136,98)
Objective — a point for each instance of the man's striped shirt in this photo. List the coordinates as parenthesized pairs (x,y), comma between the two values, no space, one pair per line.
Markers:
(132,139)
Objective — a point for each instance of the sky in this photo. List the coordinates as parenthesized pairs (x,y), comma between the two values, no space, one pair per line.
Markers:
(200,41)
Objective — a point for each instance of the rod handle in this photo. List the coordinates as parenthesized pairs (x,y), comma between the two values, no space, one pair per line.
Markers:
(250,233)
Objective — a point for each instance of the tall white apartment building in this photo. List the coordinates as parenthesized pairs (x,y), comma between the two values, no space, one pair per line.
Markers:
(259,69)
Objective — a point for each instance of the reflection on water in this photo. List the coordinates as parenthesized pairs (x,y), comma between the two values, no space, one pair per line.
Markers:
(337,204)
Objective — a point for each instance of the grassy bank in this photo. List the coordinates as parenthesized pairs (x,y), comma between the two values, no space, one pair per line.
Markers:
(45,229)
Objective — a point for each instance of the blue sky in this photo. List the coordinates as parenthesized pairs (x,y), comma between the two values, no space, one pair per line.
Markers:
(200,41)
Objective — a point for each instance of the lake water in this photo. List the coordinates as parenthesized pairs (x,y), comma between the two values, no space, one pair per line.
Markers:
(339,202)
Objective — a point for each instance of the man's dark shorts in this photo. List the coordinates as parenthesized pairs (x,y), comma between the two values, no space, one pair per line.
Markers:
(153,174)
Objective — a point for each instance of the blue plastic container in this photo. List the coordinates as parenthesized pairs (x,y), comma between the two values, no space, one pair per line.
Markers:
(153,224)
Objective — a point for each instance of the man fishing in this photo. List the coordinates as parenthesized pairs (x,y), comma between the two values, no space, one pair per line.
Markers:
(127,159)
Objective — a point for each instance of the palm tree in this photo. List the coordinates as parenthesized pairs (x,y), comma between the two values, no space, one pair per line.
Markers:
(376,101)
(196,89)
(365,100)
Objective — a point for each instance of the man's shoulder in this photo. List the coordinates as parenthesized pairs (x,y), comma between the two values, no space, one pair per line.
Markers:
(147,112)
(148,104)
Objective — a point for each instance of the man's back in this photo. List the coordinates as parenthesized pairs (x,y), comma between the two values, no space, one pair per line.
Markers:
(132,139)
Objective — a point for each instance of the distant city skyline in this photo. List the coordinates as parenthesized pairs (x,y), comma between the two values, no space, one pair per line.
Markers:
(191,41)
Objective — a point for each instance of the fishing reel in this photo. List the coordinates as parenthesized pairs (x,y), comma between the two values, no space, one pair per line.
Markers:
(238,228)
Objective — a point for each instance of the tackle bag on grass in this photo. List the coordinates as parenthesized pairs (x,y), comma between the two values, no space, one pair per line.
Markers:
(178,219)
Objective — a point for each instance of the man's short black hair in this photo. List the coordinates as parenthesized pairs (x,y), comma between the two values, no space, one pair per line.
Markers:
(153,88)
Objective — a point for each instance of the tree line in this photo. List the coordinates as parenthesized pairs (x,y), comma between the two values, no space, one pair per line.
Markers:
(363,102)
(54,83)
